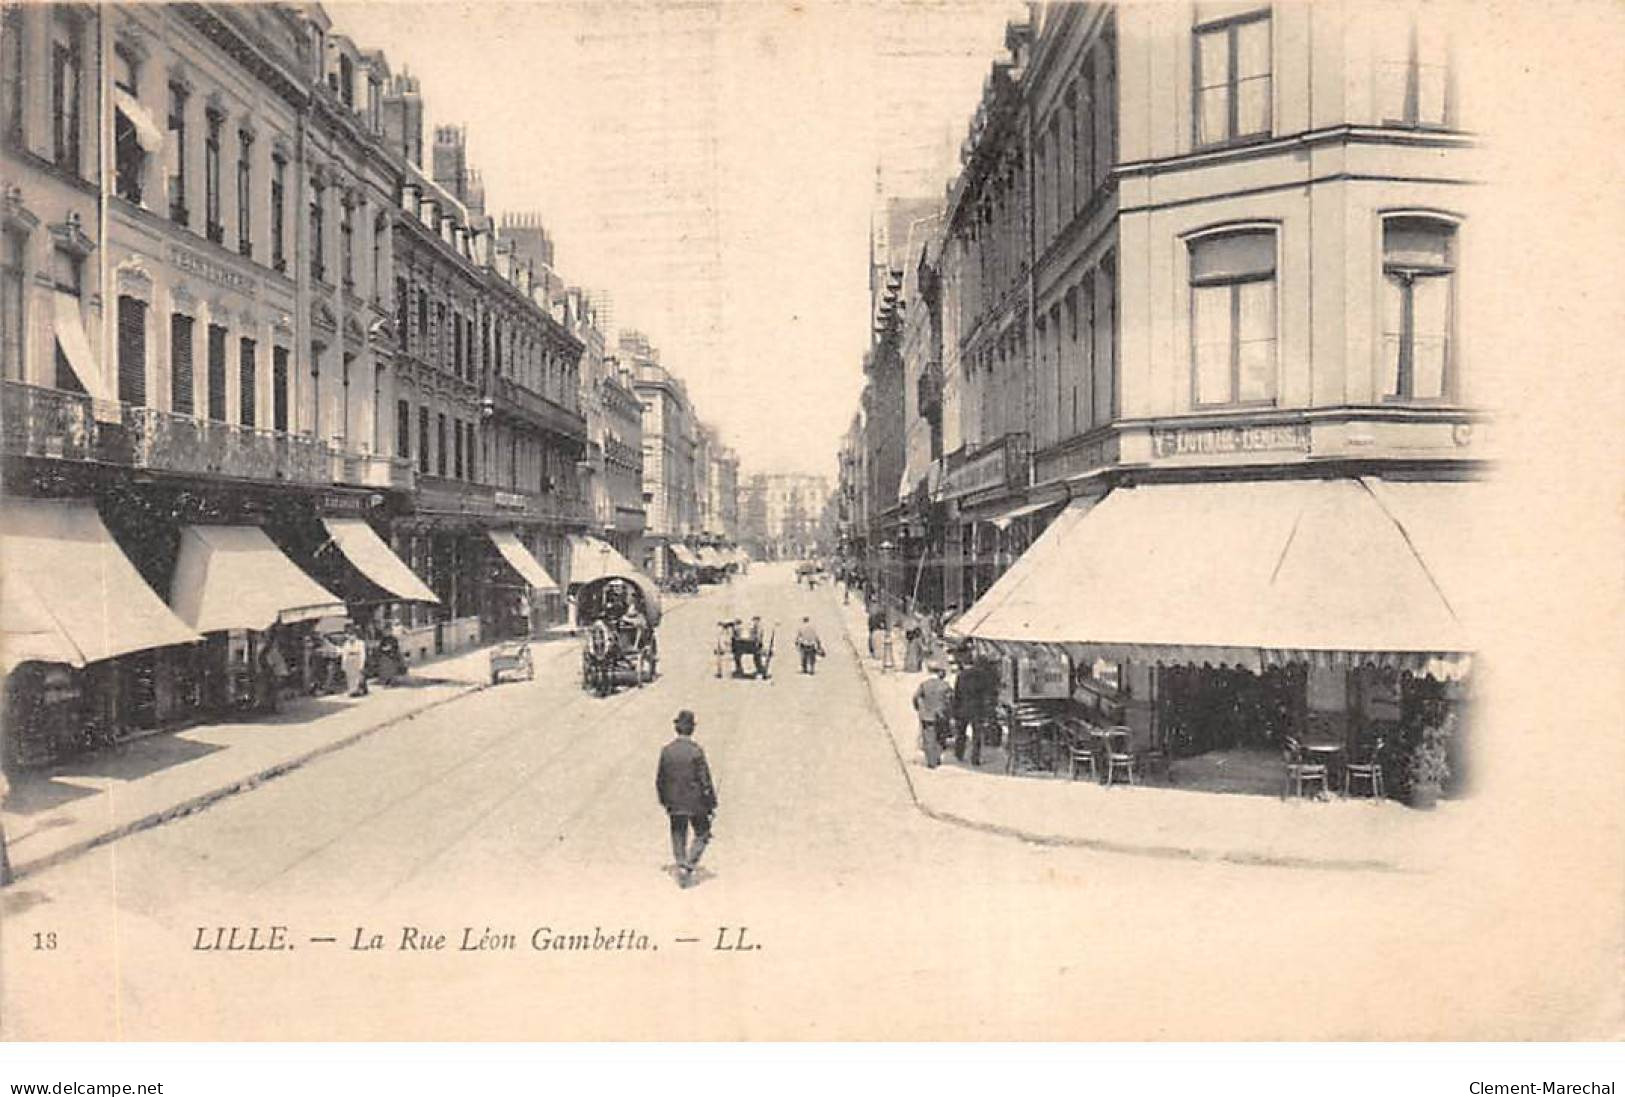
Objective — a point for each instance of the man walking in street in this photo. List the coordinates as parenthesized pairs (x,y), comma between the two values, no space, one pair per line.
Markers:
(934,702)
(683,783)
(809,645)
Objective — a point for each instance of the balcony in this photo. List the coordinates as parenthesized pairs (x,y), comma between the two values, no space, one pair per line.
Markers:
(445,495)
(513,401)
(58,425)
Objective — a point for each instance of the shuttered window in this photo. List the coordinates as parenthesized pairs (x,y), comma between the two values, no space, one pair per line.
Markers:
(180,364)
(403,429)
(279,388)
(132,350)
(217,373)
(248,376)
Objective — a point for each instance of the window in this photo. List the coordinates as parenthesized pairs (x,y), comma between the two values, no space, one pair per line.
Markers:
(438,335)
(1107,394)
(347,240)
(316,389)
(1414,85)
(1419,276)
(440,445)
(403,429)
(217,373)
(423,440)
(132,350)
(245,197)
(177,155)
(457,448)
(1233,318)
(373,99)
(318,237)
(1083,149)
(13,261)
(11,71)
(1105,152)
(1041,190)
(346,80)
(471,473)
(423,324)
(1061,197)
(180,364)
(1233,79)
(247,381)
(457,342)
(402,312)
(212,226)
(380,236)
(279,388)
(129,157)
(279,178)
(67,271)
(67,66)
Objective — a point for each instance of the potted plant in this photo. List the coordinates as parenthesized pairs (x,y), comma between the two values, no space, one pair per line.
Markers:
(1429,766)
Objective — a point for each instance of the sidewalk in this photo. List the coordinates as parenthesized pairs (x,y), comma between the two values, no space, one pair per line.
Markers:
(54,814)
(1153,819)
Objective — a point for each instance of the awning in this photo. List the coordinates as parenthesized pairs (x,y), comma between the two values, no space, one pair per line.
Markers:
(711,558)
(1004,519)
(1442,520)
(147,133)
(517,555)
(70,335)
(684,555)
(1246,574)
(233,577)
(592,559)
(70,595)
(367,551)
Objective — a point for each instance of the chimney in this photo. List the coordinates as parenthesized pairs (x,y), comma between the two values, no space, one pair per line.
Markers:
(451,160)
(403,117)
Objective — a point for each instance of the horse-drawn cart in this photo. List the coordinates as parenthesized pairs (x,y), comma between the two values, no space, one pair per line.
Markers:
(618,614)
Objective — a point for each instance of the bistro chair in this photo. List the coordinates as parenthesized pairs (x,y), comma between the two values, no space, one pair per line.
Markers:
(1120,757)
(1367,769)
(1031,732)
(1300,774)
(1080,750)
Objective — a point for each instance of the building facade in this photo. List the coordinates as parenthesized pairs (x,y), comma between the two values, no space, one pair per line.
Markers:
(1249,238)
(782,516)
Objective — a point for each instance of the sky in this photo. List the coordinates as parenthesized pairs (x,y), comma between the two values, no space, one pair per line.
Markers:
(712,166)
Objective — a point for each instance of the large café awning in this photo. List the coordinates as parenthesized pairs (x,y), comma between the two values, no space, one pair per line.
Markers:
(68,594)
(592,559)
(684,555)
(1255,574)
(363,547)
(233,577)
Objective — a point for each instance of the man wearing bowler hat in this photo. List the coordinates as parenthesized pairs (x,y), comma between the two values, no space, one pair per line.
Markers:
(683,783)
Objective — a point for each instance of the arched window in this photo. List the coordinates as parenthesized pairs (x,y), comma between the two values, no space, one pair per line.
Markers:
(1418,307)
(1233,318)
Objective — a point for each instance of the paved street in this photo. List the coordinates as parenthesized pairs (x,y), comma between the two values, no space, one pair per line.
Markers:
(531,806)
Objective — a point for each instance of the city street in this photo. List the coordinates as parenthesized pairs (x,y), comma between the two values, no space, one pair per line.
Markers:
(531,807)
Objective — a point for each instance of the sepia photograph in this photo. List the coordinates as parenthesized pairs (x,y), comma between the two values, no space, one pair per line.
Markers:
(867,520)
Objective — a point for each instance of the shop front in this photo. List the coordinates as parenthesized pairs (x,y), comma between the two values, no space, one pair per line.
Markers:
(516,584)
(82,634)
(1249,616)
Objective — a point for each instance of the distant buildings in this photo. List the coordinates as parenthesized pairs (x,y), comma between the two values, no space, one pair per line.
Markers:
(783,516)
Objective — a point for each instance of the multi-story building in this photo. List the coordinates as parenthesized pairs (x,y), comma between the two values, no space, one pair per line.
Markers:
(782,515)
(200,368)
(669,444)
(986,341)
(1250,226)
(488,408)
(623,457)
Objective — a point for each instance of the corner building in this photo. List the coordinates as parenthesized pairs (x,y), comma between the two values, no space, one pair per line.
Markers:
(1254,435)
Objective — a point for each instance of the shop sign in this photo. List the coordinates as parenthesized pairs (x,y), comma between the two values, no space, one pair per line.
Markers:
(1204,441)
(508,500)
(1076,462)
(196,265)
(978,474)
(1041,675)
(343,504)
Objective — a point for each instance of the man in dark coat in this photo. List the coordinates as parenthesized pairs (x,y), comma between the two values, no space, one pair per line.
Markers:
(683,783)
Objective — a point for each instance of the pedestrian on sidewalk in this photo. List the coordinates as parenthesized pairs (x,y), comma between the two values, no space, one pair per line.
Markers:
(934,702)
(683,784)
(974,689)
(354,660)
(809,645)
(878,624)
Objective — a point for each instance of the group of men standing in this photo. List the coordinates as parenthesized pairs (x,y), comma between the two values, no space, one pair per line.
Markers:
(965,709)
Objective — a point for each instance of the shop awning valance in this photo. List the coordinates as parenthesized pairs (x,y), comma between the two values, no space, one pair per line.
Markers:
(685,555)
(68,594)
(1246,574)
(1004,519)
(363,547)
(233,577)
(520,559)
(592,559)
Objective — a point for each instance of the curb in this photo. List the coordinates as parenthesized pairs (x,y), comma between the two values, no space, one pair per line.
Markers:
(193,804)
(1100,845)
